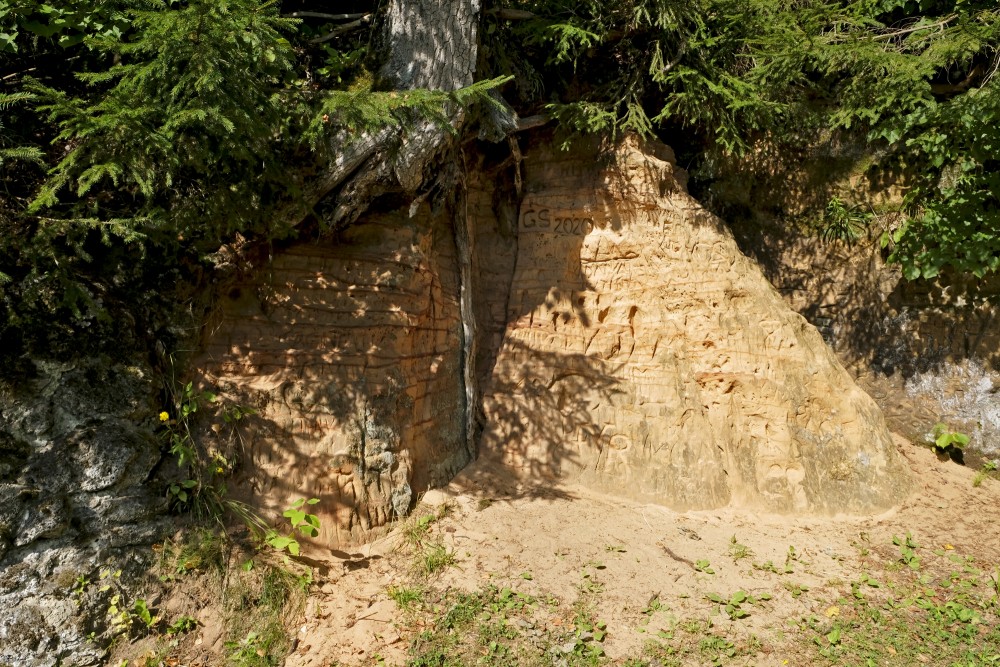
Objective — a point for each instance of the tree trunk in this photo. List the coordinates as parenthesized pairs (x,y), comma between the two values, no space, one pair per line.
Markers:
(431,44)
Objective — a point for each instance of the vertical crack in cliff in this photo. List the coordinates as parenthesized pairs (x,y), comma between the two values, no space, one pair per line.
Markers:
(464,249)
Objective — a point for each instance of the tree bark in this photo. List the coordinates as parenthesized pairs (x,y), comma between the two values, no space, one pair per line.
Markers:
(431,44)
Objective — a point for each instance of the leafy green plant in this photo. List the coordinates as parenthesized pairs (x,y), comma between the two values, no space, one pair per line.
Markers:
(795,589)
(702,565)
(733,605)
(907,550)
(738,551)
(182,492)
(791,557)
(767,566)
(944,439)
(182,624)
(866,580)
(717,650)
(246,651)
(843,223)
(80,588)
(125,617)
(307,525)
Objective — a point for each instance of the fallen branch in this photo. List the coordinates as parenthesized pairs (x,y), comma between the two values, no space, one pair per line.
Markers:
(321,15)
(940,24)
(510,14)
(347,27)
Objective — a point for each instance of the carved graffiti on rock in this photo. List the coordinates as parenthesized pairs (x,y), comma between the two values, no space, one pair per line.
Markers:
(569,223)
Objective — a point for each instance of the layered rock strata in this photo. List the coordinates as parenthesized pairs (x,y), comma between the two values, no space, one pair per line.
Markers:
(646,356)
(622,340)
(350,352)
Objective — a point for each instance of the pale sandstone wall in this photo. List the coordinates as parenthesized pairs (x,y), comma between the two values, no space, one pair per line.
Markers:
(646,356)
(926,351)
(623,341)
(350,351)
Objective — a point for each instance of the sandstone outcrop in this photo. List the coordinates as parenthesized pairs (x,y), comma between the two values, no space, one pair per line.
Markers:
(621,340)
(350,351)
(646,356)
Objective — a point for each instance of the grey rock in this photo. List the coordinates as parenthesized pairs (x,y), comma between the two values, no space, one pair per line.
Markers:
(76,449)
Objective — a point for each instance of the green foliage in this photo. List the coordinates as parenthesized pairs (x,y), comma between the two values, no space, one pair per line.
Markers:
(733,605)
(182,624)
(914,80)
(187,83)
(945,439)
(907,550)
(948,619)
(405,597)
(171,126)
(363,109)
(702,565)
(843,223)
(16,153)
(307,525)
(65,23)
(435,557)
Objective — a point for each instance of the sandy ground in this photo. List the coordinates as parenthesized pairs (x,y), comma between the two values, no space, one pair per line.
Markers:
(556,541)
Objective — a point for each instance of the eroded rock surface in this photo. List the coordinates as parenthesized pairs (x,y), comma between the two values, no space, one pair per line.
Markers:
(927,351)
(350,352)
(646,356)
(75,453)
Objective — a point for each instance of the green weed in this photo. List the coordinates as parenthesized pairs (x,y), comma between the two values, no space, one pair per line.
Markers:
(405,597)
(738,551)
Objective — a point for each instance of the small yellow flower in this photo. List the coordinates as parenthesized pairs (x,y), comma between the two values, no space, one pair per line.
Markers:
(164,416)
(219,470)
(949,547)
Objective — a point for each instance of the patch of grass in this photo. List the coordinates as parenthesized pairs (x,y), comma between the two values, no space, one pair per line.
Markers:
(700,645)
(416,529)
(202,549)
(478,628)
(938,615)
(430,554)
(405,597)
(258,604)
(989,470)
(435,557)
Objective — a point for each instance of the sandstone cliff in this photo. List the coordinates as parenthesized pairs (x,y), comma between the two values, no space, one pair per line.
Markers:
(622,340)
(351,353)
(645,355)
